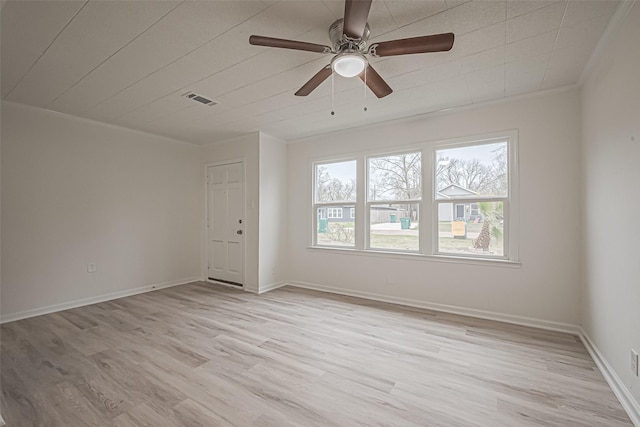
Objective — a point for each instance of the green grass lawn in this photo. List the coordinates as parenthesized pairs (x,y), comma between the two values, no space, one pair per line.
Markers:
(465,246)
(471,227)
(380,240)
(395,242)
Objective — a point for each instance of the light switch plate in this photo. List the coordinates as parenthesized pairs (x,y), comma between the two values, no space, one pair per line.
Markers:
(634,362)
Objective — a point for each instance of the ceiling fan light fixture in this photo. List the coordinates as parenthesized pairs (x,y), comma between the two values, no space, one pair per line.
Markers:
(349,64)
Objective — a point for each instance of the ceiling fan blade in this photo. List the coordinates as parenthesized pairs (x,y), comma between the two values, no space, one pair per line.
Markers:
(376,83)
(424,44)
(315,81)
(288,44)
(356,13)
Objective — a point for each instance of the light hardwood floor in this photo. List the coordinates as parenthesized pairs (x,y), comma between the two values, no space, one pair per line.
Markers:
(201,355)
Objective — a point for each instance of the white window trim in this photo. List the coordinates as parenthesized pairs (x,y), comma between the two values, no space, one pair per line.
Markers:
(428,215)
(510,201)
(331,211)
(369,202)
(317,204)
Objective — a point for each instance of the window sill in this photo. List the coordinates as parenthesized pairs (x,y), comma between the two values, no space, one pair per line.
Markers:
(418,257)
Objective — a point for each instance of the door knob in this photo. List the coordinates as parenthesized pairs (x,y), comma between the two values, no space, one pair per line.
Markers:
(239,232)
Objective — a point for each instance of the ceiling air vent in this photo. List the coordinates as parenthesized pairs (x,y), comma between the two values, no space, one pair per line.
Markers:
(201,99)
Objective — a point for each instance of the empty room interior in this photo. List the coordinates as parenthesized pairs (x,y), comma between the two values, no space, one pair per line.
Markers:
(320,213)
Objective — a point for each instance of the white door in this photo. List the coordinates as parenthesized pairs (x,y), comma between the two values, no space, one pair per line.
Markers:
(225,223)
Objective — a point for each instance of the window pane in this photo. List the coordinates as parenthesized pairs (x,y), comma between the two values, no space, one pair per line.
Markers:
(472,171)
(335,226)
(396,177)
(460,231)
(394,227)
(336,182)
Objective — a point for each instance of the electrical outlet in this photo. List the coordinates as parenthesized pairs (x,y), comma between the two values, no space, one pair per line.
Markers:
(634,362)
(91,267)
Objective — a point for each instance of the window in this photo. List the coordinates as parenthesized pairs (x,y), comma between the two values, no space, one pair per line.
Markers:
(452,199)
(471,194)
(334,212)
(395,191)
(334,191)
(474,211)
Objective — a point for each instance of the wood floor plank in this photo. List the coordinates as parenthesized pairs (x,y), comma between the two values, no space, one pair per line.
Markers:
(206,355)
(19,402)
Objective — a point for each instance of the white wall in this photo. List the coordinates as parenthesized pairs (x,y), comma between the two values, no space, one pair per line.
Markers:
(75,191)
(545,286)
(611,194)
(273,211)
(1,420)
(247,149)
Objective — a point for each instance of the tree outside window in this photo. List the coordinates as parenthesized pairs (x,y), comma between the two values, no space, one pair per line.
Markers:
(471,210)
(395,180)
(476,177)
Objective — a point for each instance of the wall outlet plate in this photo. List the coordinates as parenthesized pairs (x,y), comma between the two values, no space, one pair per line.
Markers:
(634,362)
(91,267)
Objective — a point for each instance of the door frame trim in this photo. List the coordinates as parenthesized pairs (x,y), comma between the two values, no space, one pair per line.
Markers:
(205,258)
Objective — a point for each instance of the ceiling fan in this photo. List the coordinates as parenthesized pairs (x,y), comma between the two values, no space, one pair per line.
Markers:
(349,36)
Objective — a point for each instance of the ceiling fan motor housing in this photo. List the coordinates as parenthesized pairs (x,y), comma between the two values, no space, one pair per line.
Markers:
(343,43)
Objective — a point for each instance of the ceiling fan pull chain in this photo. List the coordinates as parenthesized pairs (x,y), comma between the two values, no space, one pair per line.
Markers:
(365,88)
(333,91)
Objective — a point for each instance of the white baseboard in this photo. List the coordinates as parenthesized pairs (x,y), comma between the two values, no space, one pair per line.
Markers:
(272,286)
(463,311)
(619,389)
(5,318)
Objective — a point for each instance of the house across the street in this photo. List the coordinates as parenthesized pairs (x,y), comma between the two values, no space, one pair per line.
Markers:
(379,214)
(458,211)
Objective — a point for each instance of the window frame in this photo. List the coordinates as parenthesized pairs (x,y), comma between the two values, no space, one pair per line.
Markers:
(510,248)
(428,215)
(332,210)
(369,202)
(316,204)
(472,210)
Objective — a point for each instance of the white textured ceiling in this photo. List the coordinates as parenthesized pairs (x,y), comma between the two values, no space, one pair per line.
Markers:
(129,62)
